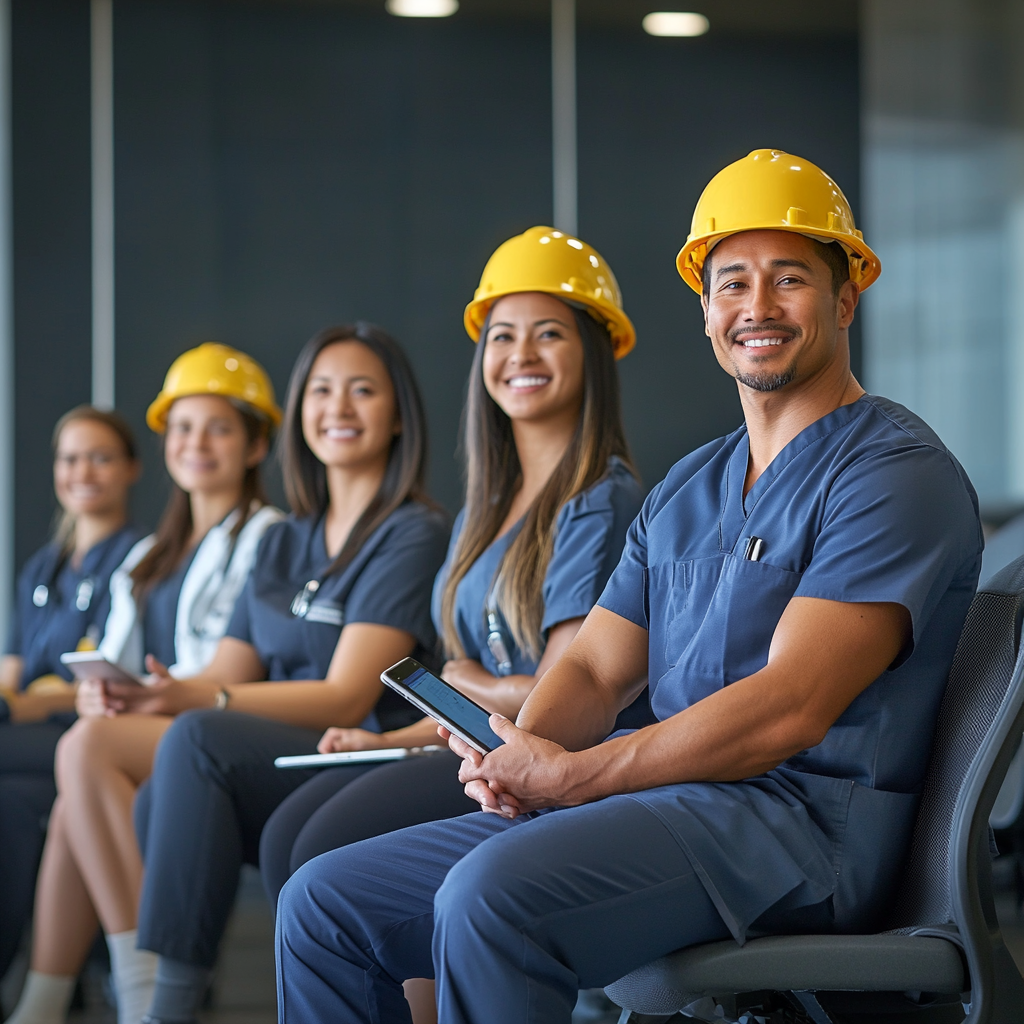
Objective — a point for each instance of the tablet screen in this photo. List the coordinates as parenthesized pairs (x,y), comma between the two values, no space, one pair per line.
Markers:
(449,702)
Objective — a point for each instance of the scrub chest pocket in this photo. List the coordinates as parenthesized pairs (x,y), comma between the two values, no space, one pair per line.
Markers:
(713,620)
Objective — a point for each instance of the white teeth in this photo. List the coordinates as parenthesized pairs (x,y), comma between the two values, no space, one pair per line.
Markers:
(761,342)
(527,382)
(342,433)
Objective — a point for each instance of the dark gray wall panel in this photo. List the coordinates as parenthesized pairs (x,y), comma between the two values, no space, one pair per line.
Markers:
(52,243)
(283,168)
(658,118)
(280,167)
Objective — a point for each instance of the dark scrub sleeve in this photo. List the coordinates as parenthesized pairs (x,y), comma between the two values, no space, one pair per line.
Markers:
(161,614)
(240,623)
(588,542)
(900,527)
(35,570)
(395,593)
(626,591)
(14,634)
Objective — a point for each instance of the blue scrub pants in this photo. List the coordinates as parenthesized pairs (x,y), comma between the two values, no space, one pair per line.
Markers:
(199,818)
(512,918)
(345,805)
(27,792)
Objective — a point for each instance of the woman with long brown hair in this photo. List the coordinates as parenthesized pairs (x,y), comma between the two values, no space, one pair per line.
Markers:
(61,604)
(340,591)
(550,493)
(170,600)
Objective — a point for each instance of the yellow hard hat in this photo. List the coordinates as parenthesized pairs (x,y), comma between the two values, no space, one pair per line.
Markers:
(545,260)
(769,189)
(213,369)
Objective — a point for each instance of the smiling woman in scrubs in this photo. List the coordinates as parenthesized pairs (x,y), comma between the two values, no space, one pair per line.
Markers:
(172,596)
(550,494)
(61,603)
(339,592)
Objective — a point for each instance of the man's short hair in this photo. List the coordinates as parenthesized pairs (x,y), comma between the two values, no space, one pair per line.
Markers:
(832,254)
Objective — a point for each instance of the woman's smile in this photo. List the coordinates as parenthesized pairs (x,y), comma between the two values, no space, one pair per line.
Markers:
(341,433)
(527,383)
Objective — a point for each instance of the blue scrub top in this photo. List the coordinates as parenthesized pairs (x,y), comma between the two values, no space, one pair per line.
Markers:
(41,634)
(161,613)
(864,505)
(589,533)
(387,583)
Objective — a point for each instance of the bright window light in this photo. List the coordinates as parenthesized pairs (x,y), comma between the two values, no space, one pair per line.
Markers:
(673,23)
(422,8)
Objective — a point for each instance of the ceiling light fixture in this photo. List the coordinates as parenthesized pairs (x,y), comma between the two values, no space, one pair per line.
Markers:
(675,23)
(421,8)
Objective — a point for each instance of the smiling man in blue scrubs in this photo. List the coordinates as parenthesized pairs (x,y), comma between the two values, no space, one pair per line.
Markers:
(794,593)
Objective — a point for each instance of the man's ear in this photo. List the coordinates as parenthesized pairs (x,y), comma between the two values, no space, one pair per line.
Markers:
(704,307)
(846,303)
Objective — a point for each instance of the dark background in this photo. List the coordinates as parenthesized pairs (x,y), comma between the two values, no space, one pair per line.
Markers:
(283,166)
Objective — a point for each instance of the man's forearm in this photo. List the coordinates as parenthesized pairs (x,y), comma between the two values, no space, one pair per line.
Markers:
(570,707)
(604,668)
(739,732)
(755,723)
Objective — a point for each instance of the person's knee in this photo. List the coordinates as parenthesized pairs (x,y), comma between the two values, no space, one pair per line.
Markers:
(301,903)
(487,883)
(86,746)
(293,900)
(203,728)
(192,736)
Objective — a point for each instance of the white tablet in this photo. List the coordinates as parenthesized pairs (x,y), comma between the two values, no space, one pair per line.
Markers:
(92,665)
(354,757)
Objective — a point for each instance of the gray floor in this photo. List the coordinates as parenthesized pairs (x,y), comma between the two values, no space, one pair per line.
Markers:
(244,989)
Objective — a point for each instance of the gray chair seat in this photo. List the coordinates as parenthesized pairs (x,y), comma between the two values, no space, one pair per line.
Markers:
(832,963)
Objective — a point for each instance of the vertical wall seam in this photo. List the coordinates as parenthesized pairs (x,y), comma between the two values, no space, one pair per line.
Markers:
(563,114)
(6,325)
(103,203)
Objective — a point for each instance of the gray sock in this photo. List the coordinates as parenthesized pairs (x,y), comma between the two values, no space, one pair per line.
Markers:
(179,992)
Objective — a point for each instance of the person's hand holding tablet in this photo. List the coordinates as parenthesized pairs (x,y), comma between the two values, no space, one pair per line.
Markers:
(524,774)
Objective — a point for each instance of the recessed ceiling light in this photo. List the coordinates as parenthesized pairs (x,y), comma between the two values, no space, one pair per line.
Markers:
(421,8)
(674,23)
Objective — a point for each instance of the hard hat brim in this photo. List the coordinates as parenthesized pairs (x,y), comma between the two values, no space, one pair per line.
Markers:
(865,266)
(156,414)
(620,328)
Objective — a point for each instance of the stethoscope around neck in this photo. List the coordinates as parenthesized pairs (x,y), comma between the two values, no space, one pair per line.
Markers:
(83,593)
(304,598)
(498,641)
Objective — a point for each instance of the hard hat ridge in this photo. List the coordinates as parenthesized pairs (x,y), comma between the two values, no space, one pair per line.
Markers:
(772,190)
